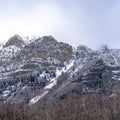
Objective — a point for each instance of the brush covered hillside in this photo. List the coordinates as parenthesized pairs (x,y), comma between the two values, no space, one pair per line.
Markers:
(50,80)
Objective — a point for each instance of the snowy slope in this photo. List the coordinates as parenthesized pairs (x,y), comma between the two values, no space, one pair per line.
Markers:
(52,83)
(30,72)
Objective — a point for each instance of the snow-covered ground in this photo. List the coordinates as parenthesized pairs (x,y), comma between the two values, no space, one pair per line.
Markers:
(52,83)
(9,51)
(37,98)
(6,93)
(116,75)
(116,61)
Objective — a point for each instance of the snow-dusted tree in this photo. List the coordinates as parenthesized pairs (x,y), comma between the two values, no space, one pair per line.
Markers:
(105,48)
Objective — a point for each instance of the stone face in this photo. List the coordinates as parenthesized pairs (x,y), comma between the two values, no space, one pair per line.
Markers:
(32,67)
(88,76)
(16,40)
(48,47)
(48,66)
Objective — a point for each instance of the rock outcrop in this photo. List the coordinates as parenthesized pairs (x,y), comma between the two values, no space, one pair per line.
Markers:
(16,40)
(52,69)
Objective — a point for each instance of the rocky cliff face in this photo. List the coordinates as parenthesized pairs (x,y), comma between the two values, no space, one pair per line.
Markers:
(92,71)
(25,73)
(52,69)
(16,40)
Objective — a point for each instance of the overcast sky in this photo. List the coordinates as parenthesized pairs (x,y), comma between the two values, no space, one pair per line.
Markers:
(89,22)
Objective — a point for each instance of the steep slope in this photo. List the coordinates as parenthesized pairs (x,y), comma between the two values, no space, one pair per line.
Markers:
(92,71)
(25,74)
(9,51)
(52,69)
(15,40)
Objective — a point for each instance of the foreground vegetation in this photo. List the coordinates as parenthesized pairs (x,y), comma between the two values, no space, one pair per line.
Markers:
(88,107)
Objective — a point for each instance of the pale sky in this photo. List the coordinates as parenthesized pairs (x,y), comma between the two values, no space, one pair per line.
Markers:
(89,22)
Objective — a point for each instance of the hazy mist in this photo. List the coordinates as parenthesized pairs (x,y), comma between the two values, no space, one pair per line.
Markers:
(90,22)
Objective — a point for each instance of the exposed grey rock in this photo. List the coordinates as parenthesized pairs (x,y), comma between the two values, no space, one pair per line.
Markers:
(16,40)
(31,68)
(48,66)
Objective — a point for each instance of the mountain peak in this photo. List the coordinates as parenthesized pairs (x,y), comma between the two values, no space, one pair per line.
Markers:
(47,40)
(15,40)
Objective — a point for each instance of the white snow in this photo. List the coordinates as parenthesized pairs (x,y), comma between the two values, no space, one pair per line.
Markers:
(37,98)
(24,88)
(113,95)
(8,73)
(116,72)
(115,77)
(43,74)
(9,51)
(69,66)
(6,93)
(79,64)
(52,83)
(115,59)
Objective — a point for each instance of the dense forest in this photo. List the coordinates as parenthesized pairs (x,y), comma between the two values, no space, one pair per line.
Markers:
(88,107)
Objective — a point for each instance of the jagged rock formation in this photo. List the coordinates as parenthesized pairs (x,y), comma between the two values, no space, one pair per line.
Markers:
(16,40)
(24,74)
(48,47)
(52,69)
(92,71)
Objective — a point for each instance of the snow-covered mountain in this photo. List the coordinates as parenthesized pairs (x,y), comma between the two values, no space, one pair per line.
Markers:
(26,70)
(15,40)
(52,69)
